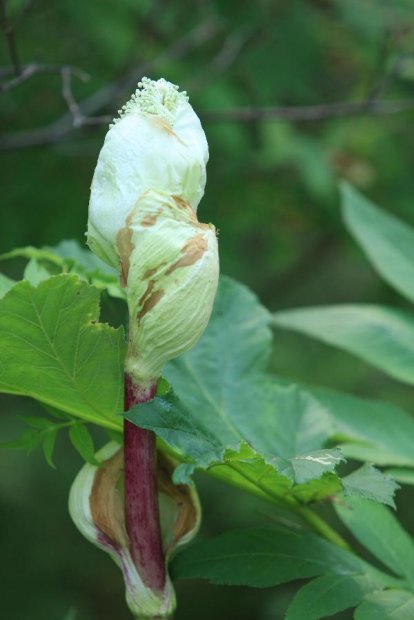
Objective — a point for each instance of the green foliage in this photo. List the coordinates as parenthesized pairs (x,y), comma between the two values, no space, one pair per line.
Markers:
(379,531)
(387,241)
(264,437)
(384,337)
(44,431)
(387,605)
(261,558)
(369,482)
(367,430)
(66,257)
(83,442)
(379,335)
(56,341)
(270,193)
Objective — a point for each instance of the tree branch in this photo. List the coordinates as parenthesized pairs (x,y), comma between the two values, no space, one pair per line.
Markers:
(108,96)
(319,112)
(28,71)
(9,33)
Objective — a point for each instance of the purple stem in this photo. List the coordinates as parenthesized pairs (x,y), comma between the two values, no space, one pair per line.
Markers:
(141,495)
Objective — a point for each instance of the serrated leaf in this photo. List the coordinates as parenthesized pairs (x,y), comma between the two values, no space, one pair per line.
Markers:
(370,483)
(379,531)
(284,427)
(266,475)
(48,446)
(83,443)
(61,355)
(383,337)
(330,594)
(387,241)
(387,605)
(265,557)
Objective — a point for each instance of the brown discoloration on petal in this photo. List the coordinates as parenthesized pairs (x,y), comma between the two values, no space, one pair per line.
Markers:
(149,299)
(150,272)
(106,501)
(164,125)
(150,219)
(125,247)
(191,253)
(150,303)
(185,206)
(186,519)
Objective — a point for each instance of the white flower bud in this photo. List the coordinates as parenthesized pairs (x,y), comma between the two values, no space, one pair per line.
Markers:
(170,266)
(96,505)
(156,143)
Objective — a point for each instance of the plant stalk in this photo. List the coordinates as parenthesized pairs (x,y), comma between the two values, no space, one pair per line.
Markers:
(141,494)
(321,527)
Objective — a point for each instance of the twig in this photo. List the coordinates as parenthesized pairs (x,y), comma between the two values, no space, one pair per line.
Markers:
(106,96)
(9,33)
(28,71)
(312,113)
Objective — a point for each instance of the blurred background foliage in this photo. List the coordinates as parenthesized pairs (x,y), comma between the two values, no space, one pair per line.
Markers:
(271,192)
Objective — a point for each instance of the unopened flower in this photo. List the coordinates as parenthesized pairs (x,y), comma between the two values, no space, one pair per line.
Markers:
(156,143)
(170,268)
(96,505)
(147,185)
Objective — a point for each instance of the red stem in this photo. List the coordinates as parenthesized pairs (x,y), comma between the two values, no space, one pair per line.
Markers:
(141,494)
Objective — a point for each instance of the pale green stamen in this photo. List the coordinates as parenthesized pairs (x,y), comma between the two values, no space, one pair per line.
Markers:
(160,98)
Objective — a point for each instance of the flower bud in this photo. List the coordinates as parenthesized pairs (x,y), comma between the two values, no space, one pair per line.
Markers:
(170,266)
(156,143)
(96,505)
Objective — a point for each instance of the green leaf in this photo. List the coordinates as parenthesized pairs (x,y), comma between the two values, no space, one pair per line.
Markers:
(82,442)
(379,531)
(35,272)
(387,241)
(368,430)
(405,476)
(61,355)
(387,605)
(5,284)
(28,440)
(67,257)
(330,594)
(264,557)
(233,460)
(369,482)
(84,263)
(48,446)
(381,336)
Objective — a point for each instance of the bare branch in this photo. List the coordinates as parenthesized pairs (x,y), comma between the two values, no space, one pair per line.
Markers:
(9,33)
(28,71)
(311,113)
(109,95)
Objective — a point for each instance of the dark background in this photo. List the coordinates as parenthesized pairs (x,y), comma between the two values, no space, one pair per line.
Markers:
(271,191)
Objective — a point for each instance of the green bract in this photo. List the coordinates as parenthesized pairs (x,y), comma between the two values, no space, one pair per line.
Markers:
(170,267)
(96,505)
